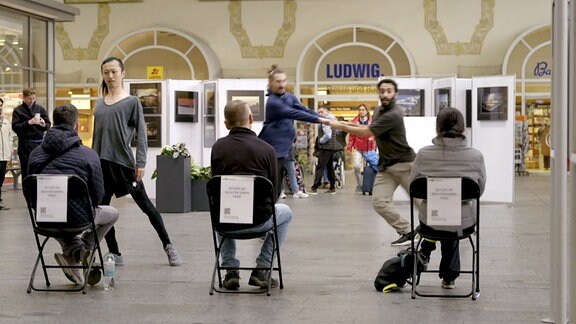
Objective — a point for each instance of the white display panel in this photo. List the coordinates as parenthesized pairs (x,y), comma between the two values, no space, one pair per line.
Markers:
(495,138)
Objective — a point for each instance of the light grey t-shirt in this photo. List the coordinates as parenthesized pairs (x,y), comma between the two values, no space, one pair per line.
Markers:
(114,128)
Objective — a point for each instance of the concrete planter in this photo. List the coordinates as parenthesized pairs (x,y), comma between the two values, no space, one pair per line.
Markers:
(173,185)
(199,197)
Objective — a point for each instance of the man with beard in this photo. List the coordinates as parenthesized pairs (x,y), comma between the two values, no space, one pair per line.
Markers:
(396,156)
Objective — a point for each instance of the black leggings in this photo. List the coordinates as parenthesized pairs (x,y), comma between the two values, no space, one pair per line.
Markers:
(141,199)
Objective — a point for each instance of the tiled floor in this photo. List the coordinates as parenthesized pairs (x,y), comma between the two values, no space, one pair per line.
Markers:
(333,251)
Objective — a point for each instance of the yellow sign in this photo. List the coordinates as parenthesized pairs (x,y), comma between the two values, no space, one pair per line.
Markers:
(155,72)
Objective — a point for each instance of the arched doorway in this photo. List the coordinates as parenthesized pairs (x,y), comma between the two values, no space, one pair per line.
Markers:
(339,68)
(182,56)
(529,57)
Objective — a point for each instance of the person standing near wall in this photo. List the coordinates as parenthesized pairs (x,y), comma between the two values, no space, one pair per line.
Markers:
(358,145)
(396,156)
(282,109)
(117,118)
(5,149)
(29,121)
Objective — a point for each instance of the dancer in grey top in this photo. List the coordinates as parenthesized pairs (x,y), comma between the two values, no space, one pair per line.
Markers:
(117,117)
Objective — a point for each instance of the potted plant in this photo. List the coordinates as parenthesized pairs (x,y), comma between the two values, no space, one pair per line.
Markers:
(173,186)
(199,177)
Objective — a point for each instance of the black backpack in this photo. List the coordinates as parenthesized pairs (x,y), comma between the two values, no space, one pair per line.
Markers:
(397,270)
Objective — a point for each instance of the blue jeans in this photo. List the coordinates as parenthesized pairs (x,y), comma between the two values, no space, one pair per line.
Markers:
(264,259)
(291,170)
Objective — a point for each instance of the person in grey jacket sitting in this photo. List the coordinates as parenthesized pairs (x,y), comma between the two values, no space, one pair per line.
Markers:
(449,157)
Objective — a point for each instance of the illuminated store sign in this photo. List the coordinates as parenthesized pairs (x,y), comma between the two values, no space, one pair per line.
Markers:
(355,71)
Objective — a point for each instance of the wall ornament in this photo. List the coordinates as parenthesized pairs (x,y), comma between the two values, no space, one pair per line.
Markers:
(98,35)
(474,46)
(261,51)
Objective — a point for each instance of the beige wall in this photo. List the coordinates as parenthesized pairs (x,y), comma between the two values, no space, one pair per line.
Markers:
(208,21)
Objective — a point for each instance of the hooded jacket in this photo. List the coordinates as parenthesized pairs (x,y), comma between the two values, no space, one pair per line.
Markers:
(451,157)
(65,154)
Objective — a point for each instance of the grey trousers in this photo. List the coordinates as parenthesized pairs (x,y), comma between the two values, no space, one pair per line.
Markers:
(104,219)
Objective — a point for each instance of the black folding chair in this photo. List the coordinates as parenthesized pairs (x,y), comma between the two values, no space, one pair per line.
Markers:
(78,200)
(470,191)
(263,209)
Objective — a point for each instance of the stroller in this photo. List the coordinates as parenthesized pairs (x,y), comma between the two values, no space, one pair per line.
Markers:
(338,161)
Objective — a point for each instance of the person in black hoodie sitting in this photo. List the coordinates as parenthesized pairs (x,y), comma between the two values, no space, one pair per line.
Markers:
(62,152)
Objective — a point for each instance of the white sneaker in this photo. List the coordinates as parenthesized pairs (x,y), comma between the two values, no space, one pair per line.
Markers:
(300,194)
(282,195)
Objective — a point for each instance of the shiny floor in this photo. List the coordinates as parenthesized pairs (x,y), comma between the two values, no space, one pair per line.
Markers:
(334,249)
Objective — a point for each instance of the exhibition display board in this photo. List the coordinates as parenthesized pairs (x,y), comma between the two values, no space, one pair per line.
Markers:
(192,112)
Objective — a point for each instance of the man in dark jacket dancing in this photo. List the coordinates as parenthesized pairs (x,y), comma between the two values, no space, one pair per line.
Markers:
(62,152)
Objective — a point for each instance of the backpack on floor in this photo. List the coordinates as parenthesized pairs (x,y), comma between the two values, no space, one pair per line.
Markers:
(396,271)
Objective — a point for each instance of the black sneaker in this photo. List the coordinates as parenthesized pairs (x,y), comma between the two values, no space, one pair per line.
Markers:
(404,239)
(331,191)
(259,278)
(231,280)
(313,191)
(448,284)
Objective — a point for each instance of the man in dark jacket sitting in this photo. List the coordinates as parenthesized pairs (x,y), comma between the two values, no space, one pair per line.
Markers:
(62,152)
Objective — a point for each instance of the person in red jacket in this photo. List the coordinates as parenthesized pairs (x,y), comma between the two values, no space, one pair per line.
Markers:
(358,145)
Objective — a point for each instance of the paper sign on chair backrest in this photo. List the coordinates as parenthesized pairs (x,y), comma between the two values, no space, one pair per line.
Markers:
(236,199)
(444,202)
(51,201)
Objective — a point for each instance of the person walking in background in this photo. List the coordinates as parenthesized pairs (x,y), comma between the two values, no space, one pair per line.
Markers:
(241,152)
(448,157)
(5,149)
(117,118)
(282,109)
(289,166)
(544,139)
(62,152)
(29,121)
(326,146)
(359,145)
(396,156)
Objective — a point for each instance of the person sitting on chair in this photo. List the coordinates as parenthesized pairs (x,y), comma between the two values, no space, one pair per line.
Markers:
(449,157)
(62,152)
(242,152)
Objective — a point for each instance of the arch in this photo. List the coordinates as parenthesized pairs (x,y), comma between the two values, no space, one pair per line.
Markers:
(518,55)
(200,59)
(389,46)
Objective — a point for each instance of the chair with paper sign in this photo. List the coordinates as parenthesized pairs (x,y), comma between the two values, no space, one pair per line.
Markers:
(50,200)
(241,207)
(444,199)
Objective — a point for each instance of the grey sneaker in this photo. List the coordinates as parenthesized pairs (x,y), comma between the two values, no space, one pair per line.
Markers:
(74,275)
(404,239)
(118,259)
(448,284)
(259,278)
(173,258)
(231,280)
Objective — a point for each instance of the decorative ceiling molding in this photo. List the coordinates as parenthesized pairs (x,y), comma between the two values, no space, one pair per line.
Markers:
(474,46)
(261,51)
(98,35)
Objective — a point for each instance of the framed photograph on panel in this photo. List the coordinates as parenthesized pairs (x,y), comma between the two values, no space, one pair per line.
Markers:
(186,109)
(411,101)
(468,108)
(153,131)
(441,99)
(493,103)
(254,98)
(149,95)
(209,99)
(209,131)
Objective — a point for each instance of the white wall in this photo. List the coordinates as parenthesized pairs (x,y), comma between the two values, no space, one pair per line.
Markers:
(495,139)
